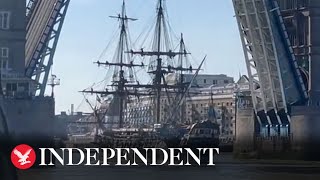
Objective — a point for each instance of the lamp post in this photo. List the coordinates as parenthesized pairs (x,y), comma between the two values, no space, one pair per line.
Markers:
(53,82)
(237,94)
(211,106)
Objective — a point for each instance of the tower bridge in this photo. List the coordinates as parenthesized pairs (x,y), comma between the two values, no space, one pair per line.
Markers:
(281,46)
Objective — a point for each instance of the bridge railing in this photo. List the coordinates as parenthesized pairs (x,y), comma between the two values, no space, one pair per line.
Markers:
(273,145)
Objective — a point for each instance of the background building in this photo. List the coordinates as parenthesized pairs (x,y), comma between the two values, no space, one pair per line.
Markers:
(223,101)
(206,80)
(223,96)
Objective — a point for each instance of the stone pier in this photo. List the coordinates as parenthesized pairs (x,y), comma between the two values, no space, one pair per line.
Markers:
(305,129)
(245,133)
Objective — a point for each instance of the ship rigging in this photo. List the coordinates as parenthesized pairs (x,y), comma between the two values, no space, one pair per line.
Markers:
(122,62)
(161,63)
(164,62)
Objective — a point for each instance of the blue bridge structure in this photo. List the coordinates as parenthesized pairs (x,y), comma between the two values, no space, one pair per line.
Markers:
(281,49)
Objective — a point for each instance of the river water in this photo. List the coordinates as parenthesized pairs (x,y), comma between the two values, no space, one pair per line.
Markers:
(226,169)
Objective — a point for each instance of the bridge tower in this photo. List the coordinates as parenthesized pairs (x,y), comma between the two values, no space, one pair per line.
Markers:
(12,48)
(28,38)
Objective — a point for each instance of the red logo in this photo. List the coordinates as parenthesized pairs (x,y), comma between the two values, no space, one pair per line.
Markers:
(23,157)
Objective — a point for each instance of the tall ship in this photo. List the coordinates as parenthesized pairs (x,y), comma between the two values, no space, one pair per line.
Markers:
(161,101)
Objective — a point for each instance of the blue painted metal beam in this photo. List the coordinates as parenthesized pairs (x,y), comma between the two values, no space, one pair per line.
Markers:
(295,92)
(275,79)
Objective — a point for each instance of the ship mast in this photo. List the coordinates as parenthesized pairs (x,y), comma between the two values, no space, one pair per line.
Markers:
(158,73)
(160,70)
(181,77)
(120,83)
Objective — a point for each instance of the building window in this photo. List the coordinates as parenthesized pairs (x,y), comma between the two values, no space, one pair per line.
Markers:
(204,81)
(4,57)
(11,87)
(4,52)
(214,82)
(4,19)
(226,81)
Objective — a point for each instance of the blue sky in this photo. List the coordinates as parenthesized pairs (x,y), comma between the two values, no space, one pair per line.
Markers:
(209,28)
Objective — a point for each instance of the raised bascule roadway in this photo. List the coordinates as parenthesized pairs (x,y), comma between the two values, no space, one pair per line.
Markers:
(44,23)
(281,49)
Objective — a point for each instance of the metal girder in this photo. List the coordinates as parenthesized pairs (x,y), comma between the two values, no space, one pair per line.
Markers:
(267,60)
(256,69)
(293,85)
(30,8)
(43,34)
(273,76)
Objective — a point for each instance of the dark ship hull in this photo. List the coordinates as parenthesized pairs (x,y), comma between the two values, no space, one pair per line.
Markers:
(130,138)
(204,134)
(199,135)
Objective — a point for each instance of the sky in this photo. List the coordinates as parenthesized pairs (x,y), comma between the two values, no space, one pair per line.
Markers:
(209,28)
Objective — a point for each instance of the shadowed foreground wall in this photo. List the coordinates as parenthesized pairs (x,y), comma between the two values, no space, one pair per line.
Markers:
(305,128)
(30,119)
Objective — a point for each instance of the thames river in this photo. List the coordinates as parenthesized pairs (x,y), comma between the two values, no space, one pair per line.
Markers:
(226,169)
